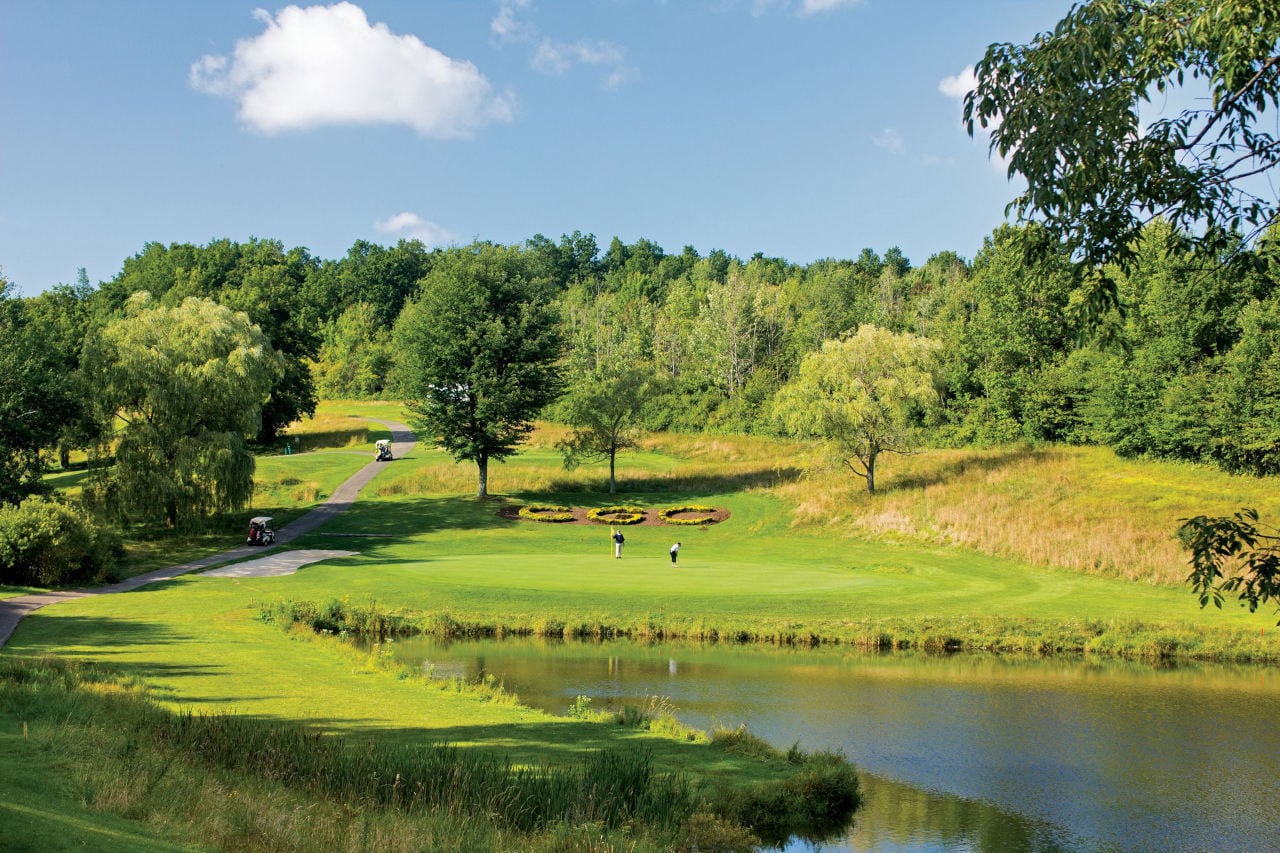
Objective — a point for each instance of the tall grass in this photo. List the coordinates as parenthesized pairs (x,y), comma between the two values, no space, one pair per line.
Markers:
(1077,508)
(1081,509)
(1125,638)
(243,783)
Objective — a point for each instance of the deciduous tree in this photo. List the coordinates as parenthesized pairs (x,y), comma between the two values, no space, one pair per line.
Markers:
(36,400)
(478,353)
(1065,112)
(188,383)
(856,394)
(604,410)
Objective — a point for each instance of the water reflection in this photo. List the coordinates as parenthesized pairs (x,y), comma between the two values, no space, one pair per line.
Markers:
(964,752)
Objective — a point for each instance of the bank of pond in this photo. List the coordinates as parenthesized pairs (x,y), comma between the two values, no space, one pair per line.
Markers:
(1119,638)
(1122,745)
(954,751)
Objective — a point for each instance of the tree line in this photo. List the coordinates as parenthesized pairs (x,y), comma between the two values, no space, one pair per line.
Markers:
(1183,366)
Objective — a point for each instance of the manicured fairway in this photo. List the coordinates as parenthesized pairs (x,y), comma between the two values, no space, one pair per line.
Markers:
(199,640)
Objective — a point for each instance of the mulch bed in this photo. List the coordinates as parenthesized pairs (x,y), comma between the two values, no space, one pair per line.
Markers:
(650,517)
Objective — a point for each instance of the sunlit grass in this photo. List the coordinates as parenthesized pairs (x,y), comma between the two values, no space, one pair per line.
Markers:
(1078,508)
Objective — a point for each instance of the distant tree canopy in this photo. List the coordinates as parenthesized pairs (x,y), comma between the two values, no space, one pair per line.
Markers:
(260,278)
(1186,371)
(1166,203)
(37,398)
(478,353)
(188,383)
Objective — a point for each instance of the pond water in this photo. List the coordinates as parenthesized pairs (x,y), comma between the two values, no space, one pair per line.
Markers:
(963,752)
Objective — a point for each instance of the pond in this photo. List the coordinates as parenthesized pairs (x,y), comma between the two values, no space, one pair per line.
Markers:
(961,752)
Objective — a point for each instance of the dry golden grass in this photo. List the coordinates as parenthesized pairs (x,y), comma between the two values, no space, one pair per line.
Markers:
(329,431)
(1080,509)
(1077,508)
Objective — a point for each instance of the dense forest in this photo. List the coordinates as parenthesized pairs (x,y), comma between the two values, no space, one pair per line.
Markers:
(191,355)
(1185,366)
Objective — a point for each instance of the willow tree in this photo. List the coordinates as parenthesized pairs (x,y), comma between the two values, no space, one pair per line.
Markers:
(187,384)
(857,394)
(478,352)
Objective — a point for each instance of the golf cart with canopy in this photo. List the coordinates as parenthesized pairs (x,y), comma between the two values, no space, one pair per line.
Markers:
(260,532)
(384,450)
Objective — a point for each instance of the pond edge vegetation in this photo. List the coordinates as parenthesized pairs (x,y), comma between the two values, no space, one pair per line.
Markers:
(242,782)
(1122,638)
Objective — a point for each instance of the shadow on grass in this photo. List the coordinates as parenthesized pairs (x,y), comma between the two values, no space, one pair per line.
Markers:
(959,468)
(359,433)
(99,632)
(68,479)
(396,521)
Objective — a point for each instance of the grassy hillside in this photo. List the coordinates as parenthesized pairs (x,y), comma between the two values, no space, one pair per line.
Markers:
(1030,549)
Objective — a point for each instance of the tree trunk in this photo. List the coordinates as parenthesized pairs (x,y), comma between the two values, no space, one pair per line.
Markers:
(482,463)
(613,487)
(871,474)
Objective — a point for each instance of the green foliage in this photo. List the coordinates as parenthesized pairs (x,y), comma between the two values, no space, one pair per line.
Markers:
(259,278)
(339,617)
(603,408)
(478,354)
(813,803)
(37,398)
(856,394)
(188,382)
(47,542)
(1064,111)
(1233,555)
(355,355)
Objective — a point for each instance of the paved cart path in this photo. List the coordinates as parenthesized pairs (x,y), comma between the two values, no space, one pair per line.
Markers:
(12,610)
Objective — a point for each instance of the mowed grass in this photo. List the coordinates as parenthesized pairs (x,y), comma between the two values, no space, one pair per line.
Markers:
(426,546)
(799,552)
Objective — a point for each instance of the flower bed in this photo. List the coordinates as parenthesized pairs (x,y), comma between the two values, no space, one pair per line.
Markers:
(619,515)
(679,514)
(548,513)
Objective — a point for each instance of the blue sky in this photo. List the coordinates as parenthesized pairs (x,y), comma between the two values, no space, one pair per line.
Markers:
(797,128)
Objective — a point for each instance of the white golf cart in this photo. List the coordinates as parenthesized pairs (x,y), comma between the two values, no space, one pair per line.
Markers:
(260,532)
(384,451)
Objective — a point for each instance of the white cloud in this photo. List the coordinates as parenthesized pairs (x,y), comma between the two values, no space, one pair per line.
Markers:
(958,85)
(890,140)
(411,226)
(933,161)
(804,8)
(512,25)
(327,65)
(815,7)
(509,24)
(558,57)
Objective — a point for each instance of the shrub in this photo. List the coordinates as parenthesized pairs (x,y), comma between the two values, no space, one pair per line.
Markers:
(46,542)
(617,514)
(706,516)
(548,513)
